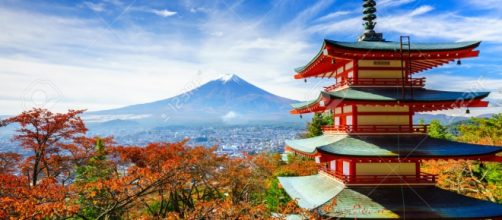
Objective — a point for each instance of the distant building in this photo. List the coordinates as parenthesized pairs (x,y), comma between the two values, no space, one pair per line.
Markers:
(370,158)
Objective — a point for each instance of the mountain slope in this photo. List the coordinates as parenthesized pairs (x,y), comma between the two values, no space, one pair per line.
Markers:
(228,99)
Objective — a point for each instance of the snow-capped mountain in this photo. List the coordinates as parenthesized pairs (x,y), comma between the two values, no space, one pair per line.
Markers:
(228,99)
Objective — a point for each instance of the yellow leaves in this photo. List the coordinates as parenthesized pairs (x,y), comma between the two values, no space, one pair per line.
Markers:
(93,194)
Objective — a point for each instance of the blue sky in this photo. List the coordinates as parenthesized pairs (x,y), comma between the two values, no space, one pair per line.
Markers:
(103,54)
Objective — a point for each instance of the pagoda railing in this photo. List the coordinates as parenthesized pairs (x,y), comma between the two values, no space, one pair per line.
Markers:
(419,129)
(421,178)
(418,82)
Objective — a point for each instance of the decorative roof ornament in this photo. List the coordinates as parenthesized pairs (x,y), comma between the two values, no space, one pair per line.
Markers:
(369,24)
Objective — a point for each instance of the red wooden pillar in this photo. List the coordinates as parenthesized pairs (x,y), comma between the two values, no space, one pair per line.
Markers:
(355,69)
(417,168)
(352,170)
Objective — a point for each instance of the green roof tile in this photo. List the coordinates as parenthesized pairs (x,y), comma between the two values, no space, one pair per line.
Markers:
(409,203)
(311,191)
(391,46)
(310,145)
(389,146)
(334,199)
(394,94)
(395,46)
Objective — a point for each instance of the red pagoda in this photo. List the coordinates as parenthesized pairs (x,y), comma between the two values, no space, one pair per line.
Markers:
(370,158)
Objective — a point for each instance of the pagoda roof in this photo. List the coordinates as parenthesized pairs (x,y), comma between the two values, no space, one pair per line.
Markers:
(389,146)
(396,46)
(383,201)
(310,191)
(310,145)
(424,55)
(391,95)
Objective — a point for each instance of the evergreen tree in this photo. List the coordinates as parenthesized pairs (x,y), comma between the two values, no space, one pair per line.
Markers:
(314,128)
(97,169)
(437,130)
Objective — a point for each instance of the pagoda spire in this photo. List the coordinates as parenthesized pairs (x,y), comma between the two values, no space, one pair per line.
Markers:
(369,34)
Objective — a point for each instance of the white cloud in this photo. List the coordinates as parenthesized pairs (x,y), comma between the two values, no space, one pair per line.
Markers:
(229,117)
(333,15)
(486,4)
(96,7)
(421,10)
(99,68)
(217,33)
(445,25)
(164,13)
(104,118)
(392,3)
(93,65)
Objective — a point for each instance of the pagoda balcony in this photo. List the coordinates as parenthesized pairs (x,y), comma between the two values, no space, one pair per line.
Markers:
(378,82)
(420,179)
(375,129)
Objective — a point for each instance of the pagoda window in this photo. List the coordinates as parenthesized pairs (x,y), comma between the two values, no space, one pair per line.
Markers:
(338,110)
(349,65)
(332,165)
(337,120)
(318,159)
(347,109)
(346,168)
(349,120)
(340,70)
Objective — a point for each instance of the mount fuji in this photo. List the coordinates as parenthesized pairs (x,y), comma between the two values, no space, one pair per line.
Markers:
(226,100)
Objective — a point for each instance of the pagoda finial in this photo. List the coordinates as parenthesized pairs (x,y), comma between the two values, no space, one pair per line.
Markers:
(369,24)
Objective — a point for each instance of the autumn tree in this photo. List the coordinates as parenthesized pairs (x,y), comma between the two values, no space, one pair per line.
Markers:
(472,178)
(482,130)
(41,131)
(78,177)
(9,162)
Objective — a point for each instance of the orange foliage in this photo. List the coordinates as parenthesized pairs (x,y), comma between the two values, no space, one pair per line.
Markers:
(20,201)
(458,176)
(41,131)
(8,162)
(70,175)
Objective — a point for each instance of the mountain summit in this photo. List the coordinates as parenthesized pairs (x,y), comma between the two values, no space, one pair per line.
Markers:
(228,99)
(229,78)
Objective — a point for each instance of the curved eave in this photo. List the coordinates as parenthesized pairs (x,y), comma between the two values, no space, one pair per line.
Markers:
(364,46)
(435,55)
(456,100)
(316,57)
(380,202)
(311,192)
(311,106)
(310,145)
(420,95)
(493,157)
(408,147)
